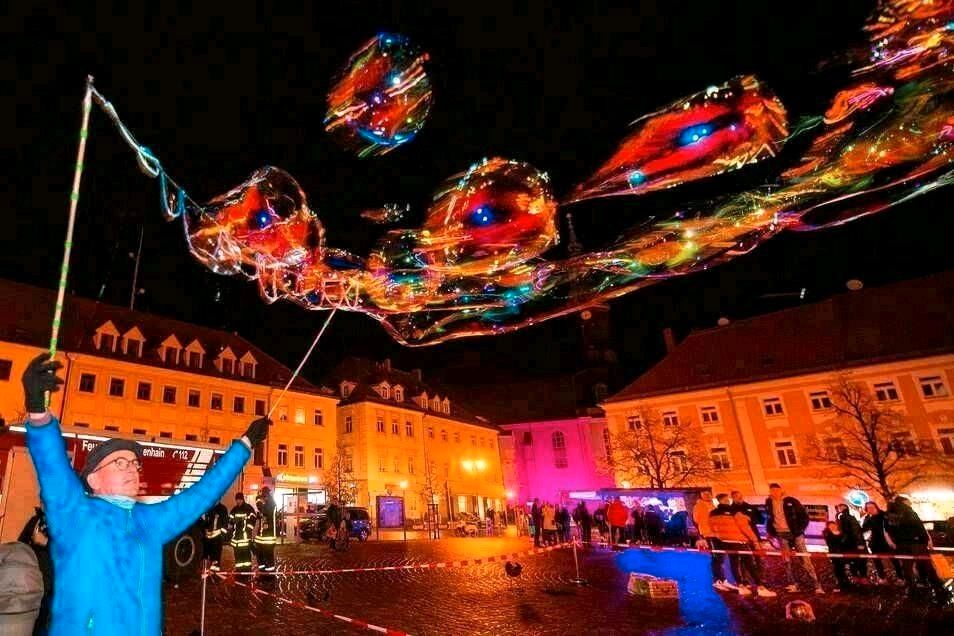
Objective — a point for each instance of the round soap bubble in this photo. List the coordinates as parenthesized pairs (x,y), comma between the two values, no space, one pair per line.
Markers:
(382,97)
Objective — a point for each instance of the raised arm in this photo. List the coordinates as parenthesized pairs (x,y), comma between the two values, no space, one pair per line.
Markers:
(170,517)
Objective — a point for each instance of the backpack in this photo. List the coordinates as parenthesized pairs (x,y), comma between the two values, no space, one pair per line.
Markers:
(21,582)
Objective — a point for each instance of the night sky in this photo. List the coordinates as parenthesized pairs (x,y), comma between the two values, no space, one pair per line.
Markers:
(216,96)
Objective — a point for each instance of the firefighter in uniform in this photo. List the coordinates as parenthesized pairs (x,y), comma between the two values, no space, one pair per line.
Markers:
(242,520)
(267,531)
(215,522)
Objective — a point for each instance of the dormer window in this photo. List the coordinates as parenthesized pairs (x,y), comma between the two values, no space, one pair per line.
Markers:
(423,400)
(225,362)
(346,389)
(170,350)
(384,390)
(436,404)
(105,337)
(248,365)
(195,354)
(445,406)
(398,393)
(132,342)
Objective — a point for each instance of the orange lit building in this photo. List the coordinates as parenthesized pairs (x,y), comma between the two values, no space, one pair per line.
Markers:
(758,389)
(145,377)
(396,430)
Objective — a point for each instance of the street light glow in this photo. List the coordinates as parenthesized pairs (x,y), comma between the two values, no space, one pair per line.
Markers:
(403,485)
(468,465)
(481,464)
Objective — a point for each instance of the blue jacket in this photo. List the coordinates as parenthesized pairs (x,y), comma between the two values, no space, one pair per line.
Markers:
(107,561)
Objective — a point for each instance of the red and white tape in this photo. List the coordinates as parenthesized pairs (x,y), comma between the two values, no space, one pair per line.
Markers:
(354,622)
(411,566)
(762,553)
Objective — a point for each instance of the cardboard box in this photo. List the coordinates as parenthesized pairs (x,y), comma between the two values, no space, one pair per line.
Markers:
(652,586)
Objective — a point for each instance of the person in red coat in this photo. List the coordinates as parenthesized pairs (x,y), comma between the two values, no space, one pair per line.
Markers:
(616,515)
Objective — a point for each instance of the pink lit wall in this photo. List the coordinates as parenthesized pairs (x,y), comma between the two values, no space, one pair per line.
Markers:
(533,460)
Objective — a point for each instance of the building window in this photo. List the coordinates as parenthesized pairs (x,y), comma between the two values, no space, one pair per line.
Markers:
(283,414)
(228,366)
(397,465)
(319,458)
(710,415)
(946,436)
(191,437)
(318,418)
(385,391)
(821,400)
(634,422)
(348,463)
(238,404)
(379,424)
(430,432)
(132,346)
(559,449)
(473,441)
(382,465)
(346,389)
(772,406)
(785,454)
(112,429)
(720,458)
(165,435)
(248,370)
(142,431)
(932,386)
(258,455)
(445,406)
(443,435)
(299,457)
(299,416)
(678,461)
(283,455)
(80,424)
(195,360)
(215,440)
(670,418)
(260,407)
(195,398)
(395,427)
(398,394)
(107,342)
(456,437)
(143,391)
(349,424)
(215,402)
(6,366)
(886,392)
(904,444)
(409,428)
(835,449)
(410,465)
(117,387)
(87,383)
(169,395)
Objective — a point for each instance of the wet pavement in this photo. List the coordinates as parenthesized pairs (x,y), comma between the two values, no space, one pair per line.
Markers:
(482,599)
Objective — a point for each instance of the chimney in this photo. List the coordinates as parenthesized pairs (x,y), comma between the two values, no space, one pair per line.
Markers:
(669,339)
(417,374)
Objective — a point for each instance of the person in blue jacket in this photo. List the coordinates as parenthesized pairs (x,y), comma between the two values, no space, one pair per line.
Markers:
(106,546)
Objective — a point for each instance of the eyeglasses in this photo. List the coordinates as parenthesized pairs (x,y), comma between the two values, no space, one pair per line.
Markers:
(123,464)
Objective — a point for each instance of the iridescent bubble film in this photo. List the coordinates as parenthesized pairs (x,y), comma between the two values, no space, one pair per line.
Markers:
(382,97)
(487,257)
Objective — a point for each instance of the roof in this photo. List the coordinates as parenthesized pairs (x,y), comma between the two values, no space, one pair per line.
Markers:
(366,374)
(28,312)
(905,320)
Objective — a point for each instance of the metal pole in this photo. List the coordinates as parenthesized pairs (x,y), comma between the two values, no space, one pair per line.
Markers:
(205,578)
(576,561)
(135,280)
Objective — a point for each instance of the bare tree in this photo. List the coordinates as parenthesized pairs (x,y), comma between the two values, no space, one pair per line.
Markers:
(339,478)
(872,447)
(656,452)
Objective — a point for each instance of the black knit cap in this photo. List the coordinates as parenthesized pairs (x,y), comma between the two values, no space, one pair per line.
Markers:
(98,454)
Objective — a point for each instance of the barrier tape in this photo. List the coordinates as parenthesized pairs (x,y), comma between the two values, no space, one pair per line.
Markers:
(762,553)
(412,566)
(354,622)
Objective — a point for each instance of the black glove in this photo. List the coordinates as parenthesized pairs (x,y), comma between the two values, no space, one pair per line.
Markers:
(258,431)
(40,377)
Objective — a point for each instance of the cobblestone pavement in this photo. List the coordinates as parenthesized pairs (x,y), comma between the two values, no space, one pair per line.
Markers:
(481,599)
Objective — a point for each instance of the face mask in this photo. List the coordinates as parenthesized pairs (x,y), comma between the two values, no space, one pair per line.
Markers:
(124,502)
